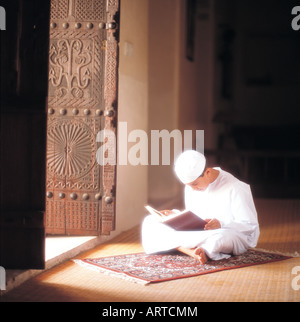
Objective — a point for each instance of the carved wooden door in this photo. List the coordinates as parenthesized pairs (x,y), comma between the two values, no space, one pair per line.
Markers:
(82,100)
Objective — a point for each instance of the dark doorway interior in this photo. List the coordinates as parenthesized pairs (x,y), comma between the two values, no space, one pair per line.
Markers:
(24,69)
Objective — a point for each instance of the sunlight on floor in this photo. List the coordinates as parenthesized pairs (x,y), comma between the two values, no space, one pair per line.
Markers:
(56,246)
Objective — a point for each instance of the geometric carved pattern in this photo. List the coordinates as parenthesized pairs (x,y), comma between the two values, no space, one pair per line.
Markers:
(90,10)
(59,9)
(70,149)
(83,10)
(82,216)
(83,62)
(55,216)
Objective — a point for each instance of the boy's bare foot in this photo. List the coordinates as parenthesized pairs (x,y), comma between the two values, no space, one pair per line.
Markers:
(197,253)
(200,255)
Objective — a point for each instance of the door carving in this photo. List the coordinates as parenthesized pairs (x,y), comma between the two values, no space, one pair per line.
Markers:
(82,100)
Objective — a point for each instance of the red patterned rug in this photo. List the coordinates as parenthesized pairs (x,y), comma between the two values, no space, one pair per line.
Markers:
(145,269)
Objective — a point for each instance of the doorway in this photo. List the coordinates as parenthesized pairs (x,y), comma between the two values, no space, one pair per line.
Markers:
(80,99)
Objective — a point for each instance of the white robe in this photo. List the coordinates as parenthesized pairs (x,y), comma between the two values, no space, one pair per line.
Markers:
(227,199)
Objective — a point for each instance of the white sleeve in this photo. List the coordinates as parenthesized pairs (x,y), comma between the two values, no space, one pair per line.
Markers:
(243,212)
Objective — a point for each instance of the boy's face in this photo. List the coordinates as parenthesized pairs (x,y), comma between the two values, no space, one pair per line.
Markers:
(202,182)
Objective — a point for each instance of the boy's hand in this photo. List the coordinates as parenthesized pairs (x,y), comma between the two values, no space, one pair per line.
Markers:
(212,224)
(167,212)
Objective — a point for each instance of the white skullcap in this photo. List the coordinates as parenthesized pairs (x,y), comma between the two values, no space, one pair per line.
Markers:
(189,166)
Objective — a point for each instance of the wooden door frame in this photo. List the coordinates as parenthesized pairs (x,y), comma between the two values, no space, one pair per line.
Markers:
(91,29)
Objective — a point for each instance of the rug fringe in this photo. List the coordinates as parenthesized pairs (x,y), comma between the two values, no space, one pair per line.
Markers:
(295,254)
(111,273)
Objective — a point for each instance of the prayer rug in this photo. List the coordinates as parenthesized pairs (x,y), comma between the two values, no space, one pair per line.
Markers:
(145,269)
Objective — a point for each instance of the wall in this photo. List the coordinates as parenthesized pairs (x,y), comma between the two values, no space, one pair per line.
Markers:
(132,181)
(196,90)
(164,26)
(181,92)
(159,88)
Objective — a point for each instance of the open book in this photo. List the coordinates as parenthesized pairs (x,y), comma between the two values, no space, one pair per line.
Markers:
(184,220)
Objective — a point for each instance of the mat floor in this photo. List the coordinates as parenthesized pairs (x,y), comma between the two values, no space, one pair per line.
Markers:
(280,227)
